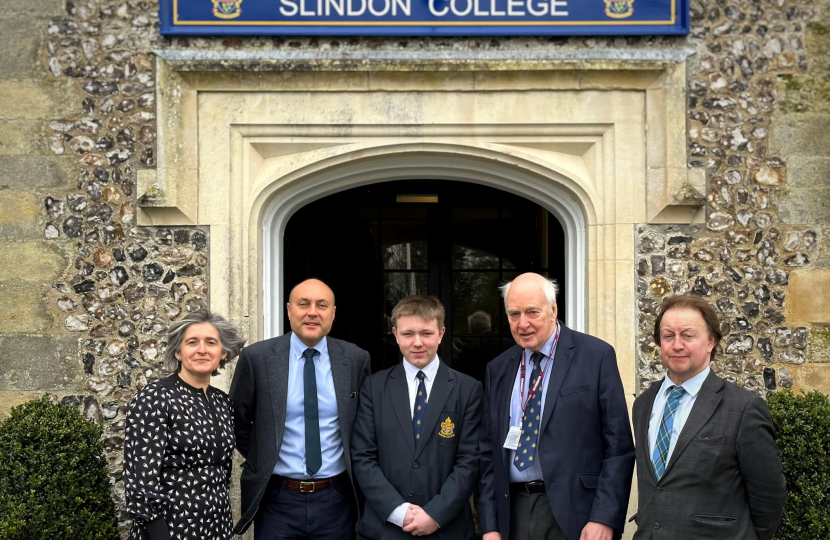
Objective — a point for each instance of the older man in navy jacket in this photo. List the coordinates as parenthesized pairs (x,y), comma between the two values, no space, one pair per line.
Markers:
(557,455)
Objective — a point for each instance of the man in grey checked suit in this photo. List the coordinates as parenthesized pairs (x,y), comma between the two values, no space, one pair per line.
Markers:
(295,401)
(707,463)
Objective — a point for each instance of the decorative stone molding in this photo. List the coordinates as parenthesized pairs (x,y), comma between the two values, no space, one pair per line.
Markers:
(599,141)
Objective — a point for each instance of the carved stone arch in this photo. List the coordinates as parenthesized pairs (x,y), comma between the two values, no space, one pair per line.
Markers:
(557,193)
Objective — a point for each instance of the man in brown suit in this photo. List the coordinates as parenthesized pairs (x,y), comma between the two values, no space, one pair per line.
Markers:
(707,463)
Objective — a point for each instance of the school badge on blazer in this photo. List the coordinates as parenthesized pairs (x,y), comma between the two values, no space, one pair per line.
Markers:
(447,429)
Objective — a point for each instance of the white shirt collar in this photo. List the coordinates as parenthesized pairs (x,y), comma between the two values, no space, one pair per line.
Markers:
(298,347)
(431,370)
(692,386)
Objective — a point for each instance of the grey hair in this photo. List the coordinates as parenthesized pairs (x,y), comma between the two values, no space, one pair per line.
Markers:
(549,286)
(231,338)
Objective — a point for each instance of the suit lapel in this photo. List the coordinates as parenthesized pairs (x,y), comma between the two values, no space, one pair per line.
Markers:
(278,375)
(705,405)
(399,394)
(561,363)
(504,399)
(642,421)
(341,375)
(441,388)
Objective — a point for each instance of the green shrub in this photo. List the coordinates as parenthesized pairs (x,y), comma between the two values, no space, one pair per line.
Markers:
(802,425)
(54,482)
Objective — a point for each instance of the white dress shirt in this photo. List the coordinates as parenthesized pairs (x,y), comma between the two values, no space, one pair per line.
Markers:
(681,414)
(412,382)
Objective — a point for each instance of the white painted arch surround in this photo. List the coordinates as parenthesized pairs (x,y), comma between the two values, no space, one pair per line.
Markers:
(547,188)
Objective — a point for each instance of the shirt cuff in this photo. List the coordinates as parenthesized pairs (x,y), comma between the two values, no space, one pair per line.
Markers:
(398,514)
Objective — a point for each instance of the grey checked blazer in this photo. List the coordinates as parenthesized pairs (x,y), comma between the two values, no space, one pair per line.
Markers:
(259,392)
(724,478)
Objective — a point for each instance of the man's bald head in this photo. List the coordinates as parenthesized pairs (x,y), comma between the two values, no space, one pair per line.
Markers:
(312,281)
(311,311)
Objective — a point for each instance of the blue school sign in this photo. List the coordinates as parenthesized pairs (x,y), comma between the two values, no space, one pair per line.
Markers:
(424,17)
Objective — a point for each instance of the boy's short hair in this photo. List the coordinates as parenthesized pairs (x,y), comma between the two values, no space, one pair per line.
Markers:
(428,308)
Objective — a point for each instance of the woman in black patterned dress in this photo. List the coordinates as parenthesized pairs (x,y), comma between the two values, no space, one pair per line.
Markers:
(179,441)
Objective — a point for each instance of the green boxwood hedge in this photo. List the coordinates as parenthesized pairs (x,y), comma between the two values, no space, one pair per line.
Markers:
(802,425)
(54,481)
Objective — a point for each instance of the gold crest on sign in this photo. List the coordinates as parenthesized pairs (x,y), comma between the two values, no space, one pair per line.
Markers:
(447,429)
(227,9)
(619,9)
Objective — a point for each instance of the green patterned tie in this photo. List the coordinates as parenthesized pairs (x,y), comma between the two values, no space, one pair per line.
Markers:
(661,446)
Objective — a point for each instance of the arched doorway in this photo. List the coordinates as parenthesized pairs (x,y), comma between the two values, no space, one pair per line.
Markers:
(375,244)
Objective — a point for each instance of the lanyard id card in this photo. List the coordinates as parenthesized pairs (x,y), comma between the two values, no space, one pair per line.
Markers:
(512,440)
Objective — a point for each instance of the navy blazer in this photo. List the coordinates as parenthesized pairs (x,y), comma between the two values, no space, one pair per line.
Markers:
(585,445)
(439,474)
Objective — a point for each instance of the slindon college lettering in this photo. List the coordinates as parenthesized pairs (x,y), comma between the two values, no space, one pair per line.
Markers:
(423,17)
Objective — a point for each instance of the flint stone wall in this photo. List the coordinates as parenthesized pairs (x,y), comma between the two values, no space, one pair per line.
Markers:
(85,295)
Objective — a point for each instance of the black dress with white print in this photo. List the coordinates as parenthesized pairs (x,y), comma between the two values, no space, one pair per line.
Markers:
(178,452)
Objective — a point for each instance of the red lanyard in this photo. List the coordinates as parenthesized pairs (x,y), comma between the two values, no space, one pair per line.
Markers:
(538,381)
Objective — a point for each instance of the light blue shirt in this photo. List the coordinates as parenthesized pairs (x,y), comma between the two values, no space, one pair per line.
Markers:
(291,461)
(534,472)
(681,414)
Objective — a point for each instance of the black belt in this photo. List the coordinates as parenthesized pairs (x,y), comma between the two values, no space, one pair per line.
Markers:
(309,486)
(537,486)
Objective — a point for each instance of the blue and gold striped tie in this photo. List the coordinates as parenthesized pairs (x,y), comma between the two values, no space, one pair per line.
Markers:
(420,409)
(661,447)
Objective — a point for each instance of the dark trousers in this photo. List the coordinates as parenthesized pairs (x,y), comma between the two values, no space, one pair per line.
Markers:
(531,518)
(288,514)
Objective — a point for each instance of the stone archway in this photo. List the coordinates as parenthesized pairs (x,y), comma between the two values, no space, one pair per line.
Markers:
(549,189)
(599,143)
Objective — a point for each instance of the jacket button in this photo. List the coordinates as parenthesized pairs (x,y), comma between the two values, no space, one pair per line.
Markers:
(506,496)
(414,464)
(656,524)
(659,490)
(410,494)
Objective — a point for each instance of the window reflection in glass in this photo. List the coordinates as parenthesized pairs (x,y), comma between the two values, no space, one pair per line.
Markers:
(470,258)
(405,256)
(404,238)
(399,285)
(472,292)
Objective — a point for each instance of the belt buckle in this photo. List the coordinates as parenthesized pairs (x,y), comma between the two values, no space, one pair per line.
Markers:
(307,487)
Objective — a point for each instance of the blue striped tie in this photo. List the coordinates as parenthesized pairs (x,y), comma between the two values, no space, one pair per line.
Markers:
(661,447)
